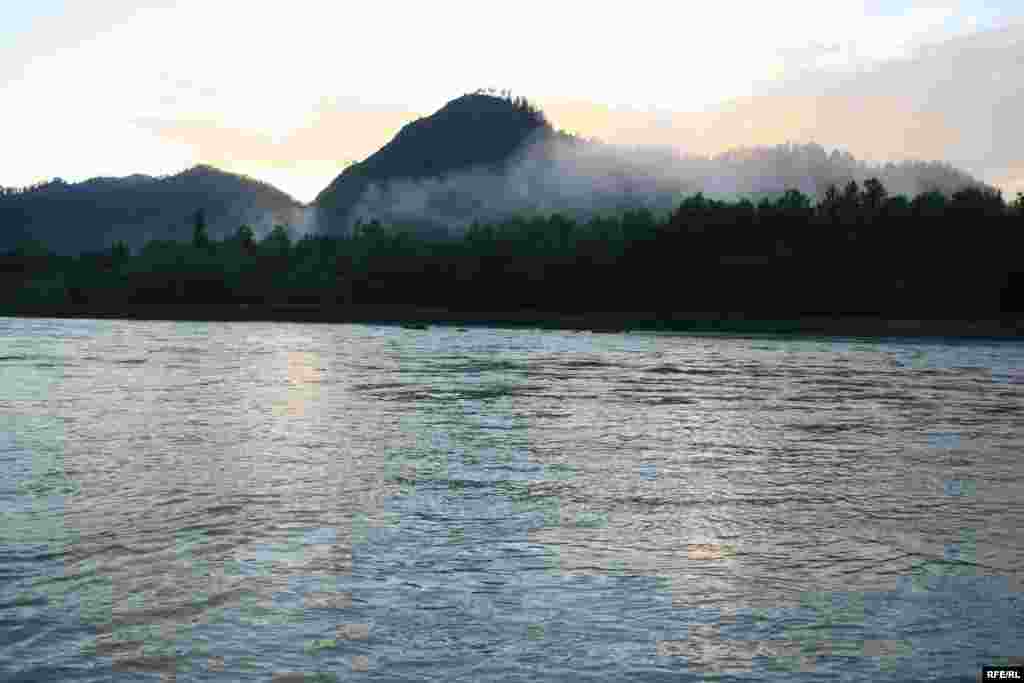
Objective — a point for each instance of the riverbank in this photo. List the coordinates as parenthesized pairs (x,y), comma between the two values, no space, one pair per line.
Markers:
(860,326)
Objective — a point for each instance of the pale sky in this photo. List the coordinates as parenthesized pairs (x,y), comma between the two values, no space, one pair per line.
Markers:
(290,92)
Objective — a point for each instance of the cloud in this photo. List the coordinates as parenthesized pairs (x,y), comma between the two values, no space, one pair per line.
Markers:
(970,85)
(282,57)
(262,69)
(959,100)
(301,161)
(876,128)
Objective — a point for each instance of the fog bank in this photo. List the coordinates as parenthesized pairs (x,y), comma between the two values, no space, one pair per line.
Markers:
(587,178)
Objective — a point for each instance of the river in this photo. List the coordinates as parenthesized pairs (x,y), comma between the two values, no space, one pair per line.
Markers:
(281,502)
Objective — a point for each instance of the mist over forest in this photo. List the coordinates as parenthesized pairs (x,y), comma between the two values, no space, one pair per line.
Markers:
(581,179)
(482,157)
(493,157)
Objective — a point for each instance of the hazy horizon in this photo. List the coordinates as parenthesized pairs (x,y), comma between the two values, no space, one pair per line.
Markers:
(883,81)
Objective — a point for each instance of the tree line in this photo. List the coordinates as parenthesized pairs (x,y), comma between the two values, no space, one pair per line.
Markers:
(858,251)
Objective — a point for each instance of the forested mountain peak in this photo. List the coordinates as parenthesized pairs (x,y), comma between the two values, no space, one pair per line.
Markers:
(205,173)
(113,181)
(476,129)
(470,130)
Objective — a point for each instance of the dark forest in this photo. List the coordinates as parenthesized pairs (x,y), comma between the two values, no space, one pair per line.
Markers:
(859,251)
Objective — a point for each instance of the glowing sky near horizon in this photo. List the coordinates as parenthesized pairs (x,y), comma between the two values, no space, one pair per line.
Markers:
(290,92)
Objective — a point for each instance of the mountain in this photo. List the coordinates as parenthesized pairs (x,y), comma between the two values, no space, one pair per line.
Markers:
(486,158)
(70,218)
(474,130)
(480,157)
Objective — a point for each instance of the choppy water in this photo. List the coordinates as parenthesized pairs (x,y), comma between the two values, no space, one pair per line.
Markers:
(237,501)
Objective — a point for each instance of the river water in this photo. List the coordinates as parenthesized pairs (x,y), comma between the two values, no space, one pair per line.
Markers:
(262,501)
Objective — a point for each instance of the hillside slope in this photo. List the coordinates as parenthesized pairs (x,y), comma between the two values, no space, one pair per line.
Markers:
(470,131)
(73,217)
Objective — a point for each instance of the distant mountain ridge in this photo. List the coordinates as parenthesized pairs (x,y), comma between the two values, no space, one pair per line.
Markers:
(93,214)
(479,157)
(482,157)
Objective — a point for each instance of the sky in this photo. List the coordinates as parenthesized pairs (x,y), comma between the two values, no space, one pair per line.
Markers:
(291,92)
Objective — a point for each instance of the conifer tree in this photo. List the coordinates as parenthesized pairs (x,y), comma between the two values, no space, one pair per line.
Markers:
(200,238)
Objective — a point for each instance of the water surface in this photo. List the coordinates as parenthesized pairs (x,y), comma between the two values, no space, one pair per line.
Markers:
(254,501)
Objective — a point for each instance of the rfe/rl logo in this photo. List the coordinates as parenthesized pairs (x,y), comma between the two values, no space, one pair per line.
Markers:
(1002,673)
